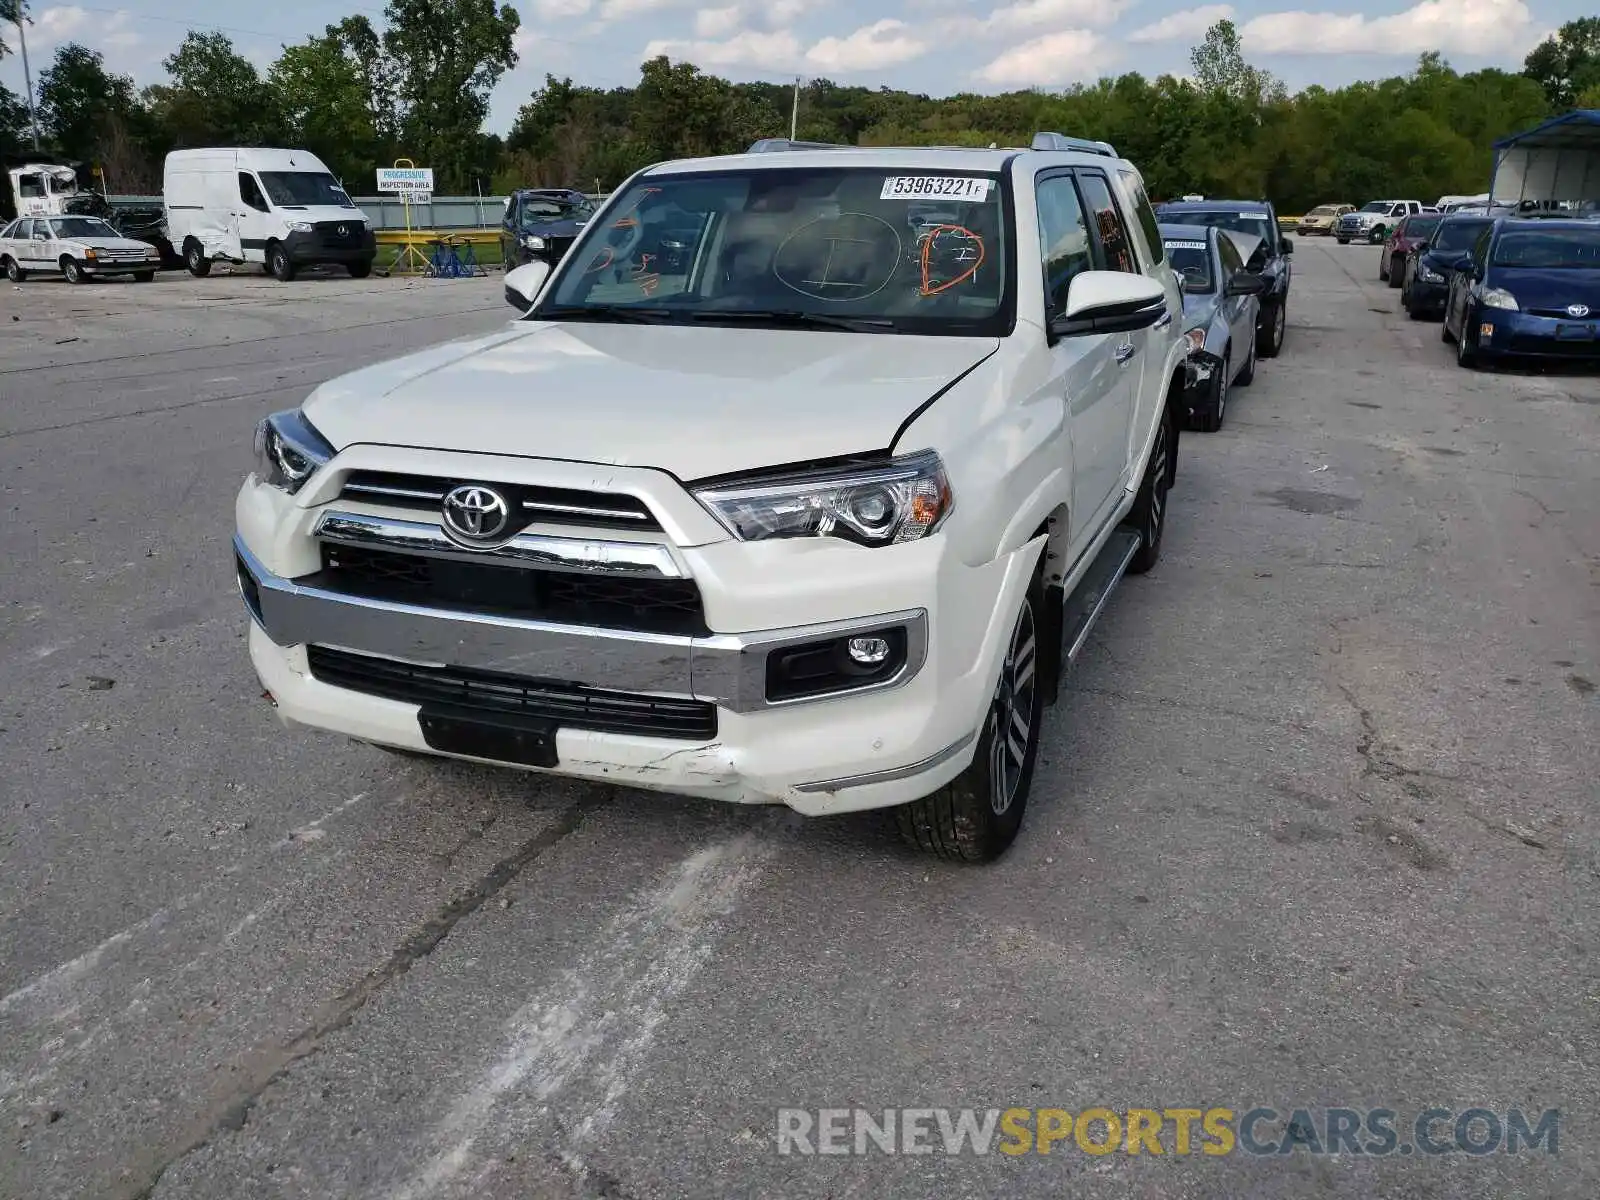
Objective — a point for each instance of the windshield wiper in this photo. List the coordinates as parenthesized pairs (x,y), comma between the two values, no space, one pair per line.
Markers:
(608,312)
(795,318)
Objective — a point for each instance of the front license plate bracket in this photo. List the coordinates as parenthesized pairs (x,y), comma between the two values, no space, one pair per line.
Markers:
(503,737)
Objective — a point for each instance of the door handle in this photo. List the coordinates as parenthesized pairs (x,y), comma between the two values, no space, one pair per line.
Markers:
(1125,352)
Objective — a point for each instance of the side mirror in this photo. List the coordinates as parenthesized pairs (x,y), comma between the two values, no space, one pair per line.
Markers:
(1287,247)
(1245,284)
(1110,302)
(523,284)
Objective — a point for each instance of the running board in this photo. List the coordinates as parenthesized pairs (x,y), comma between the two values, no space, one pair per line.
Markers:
(1088,600)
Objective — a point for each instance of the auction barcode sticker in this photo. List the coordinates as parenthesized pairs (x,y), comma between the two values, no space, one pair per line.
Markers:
(934,187)
(1184,245)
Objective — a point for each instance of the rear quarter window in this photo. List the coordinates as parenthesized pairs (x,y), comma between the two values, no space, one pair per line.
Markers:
(1155,252)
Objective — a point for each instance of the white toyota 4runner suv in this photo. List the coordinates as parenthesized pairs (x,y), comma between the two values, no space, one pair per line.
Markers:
(800,480)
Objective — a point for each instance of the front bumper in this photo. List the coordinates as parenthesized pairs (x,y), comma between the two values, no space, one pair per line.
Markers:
(95,266)
(1427,296)
(1199,382)
(1503,334)
(865,749)
(321,247)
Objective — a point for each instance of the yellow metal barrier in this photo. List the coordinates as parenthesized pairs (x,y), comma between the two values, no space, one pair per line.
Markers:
(423,241)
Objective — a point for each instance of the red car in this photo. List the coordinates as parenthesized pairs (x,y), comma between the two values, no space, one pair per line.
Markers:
(1407,237)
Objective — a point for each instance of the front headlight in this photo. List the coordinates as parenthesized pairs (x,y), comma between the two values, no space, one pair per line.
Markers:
(1428,275)
(1498,298)
(90,253)
(1197,340)
(533,241)
(289,450)
(901,500)
(301,226)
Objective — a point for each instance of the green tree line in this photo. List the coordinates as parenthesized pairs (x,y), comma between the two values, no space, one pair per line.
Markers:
(359,95)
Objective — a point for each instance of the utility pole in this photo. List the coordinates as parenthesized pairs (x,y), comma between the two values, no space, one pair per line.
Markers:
(794,111)
(20,18)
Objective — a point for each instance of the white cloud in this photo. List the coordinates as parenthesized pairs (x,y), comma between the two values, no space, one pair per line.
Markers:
(610,10)
(881,44)
(777,51)
(717,22)
(557,10)
(1187,23)
(1070,56)
(781,12)
(1483,27)
(1027,15)
(56,26)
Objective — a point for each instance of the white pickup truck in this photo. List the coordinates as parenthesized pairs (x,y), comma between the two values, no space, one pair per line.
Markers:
(800,481)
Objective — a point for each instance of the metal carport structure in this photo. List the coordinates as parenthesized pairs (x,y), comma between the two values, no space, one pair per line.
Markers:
(1558,160)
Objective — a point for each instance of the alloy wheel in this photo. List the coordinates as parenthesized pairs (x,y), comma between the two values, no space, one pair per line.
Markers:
(1011,712)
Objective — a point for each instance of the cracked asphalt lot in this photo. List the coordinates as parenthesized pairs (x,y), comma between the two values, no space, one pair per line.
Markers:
(1314,824)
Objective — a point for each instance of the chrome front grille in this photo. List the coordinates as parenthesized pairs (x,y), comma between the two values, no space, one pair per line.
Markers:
(546,505)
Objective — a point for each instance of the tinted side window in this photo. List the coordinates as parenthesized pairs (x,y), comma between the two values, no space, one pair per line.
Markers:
(250,192)
(1145,215)
(1063,239)
(1111,232)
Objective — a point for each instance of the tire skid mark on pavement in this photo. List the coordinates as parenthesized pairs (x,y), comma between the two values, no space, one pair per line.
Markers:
(599,1019)
(263,1065)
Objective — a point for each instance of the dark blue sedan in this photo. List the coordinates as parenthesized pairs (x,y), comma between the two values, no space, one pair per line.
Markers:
(540,223)
(1425,277)
(1531,291)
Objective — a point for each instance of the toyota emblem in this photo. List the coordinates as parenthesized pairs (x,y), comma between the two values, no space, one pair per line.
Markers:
(476,513)
(1577,310)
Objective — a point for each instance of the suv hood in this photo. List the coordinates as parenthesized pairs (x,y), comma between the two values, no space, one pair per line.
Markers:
(694,401)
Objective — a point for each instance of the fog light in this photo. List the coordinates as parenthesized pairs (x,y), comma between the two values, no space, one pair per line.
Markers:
(1486,330)
(869,651)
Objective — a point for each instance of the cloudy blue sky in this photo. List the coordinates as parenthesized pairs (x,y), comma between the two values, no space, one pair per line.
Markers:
(934,46)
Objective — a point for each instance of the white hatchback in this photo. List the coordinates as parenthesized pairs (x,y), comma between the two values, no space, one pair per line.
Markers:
(80,248)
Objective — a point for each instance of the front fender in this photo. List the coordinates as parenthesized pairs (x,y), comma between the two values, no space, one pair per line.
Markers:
(1009,462)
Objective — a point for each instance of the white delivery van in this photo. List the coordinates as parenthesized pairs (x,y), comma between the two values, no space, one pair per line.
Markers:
(280,208)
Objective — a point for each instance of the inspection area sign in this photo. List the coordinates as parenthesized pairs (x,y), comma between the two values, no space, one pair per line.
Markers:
(405,181)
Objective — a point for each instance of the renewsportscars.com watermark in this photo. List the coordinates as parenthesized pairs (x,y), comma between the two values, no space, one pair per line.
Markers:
(1213,1131)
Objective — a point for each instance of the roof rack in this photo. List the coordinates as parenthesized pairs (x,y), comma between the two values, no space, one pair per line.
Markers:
(1060,141)
(780,145)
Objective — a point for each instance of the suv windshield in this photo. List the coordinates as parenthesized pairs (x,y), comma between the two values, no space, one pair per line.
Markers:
(1378,206)
(304,188)
(1190,260)
(1564,248)
(82,227)
(1458,235)
(873,249)
(541,210)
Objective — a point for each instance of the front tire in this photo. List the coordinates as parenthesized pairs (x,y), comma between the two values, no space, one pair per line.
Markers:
(73,272)
(279,264)
(1383,268)
(1466,345)
(1377,235)
(1343,241)
(1210,420)
(1277,326)
(360,270)
(1149,515)
(144,276)
(13,272)
(976,816)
